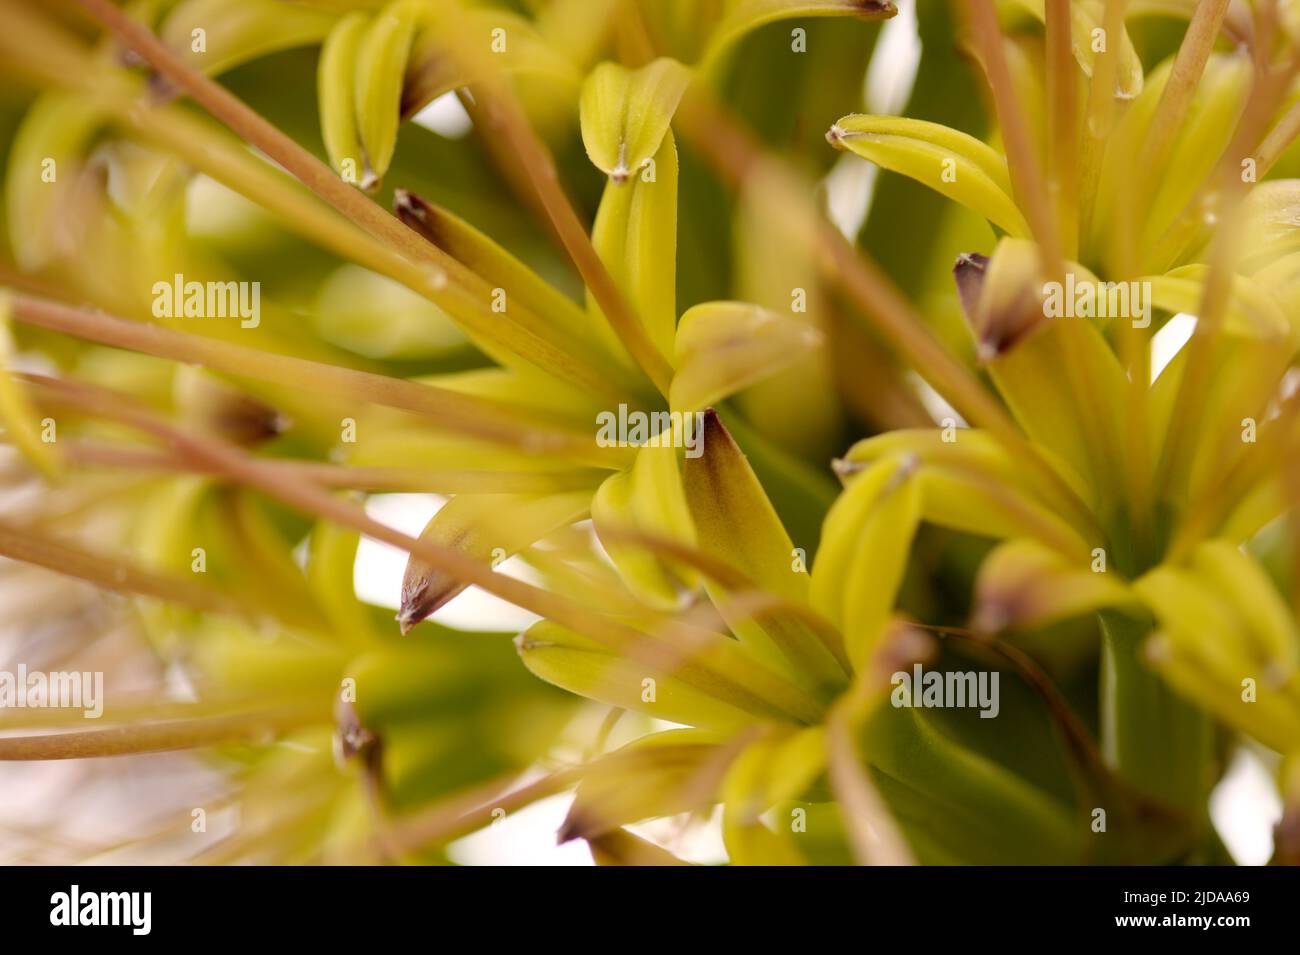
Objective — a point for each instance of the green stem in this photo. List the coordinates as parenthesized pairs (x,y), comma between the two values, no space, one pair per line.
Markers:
(1155,740)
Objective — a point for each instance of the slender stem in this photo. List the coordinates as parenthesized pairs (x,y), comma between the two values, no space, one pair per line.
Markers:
(255,129)
(465,414)
(124,707)
(156,737)
(1194,386)
(701,658)
(904,329)
(427,480)
(1101,115)
(517,143)
(1278,141)
(419,264)
(1137,191)
(1205,512)
(30,545)
(463,814)
(1063,127)
(1260,108)
(1032,192)
(1176,98)
(1269,90)
(503,115)
(1134,346)
(1138,486)
(870,379)
(1026,175)
(736,156)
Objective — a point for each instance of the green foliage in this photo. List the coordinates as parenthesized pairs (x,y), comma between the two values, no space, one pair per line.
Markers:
(811,496)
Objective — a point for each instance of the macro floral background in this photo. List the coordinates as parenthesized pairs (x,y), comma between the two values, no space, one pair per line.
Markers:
(312,315)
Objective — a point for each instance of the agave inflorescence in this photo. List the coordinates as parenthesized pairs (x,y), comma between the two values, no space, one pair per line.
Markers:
(1112,545)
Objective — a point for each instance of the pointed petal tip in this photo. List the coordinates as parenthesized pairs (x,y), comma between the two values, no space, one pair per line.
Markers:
(569,830)
(350,736)
(971,260)
(843,468)
(424,592)
(968,274)
(406,621)
(408,206)
(902,645)
(417,605)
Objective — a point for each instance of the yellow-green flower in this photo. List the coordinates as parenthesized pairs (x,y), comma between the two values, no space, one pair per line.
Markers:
(606,315)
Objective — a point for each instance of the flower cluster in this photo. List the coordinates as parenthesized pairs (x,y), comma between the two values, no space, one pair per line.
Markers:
(889,529)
